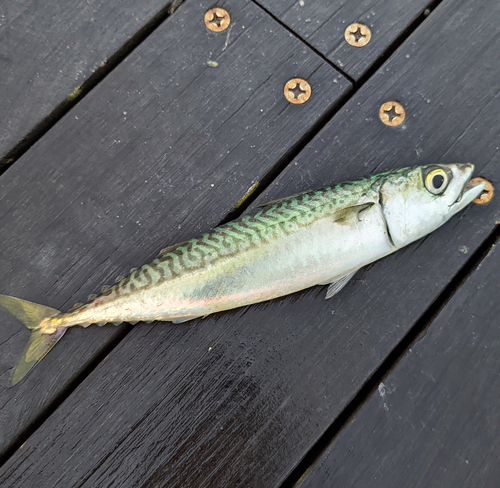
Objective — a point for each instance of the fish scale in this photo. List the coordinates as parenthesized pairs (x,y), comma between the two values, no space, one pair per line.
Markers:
(270,223)
(235,237)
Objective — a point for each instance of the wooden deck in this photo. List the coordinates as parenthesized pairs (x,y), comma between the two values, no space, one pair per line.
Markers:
(127,126)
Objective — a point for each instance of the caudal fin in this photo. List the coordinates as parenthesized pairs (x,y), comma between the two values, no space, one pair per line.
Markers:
(31,315)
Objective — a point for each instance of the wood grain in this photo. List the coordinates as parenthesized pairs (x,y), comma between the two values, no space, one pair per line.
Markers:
(160,151)
(49,49)
(322,25)
(238,398)
(435,420)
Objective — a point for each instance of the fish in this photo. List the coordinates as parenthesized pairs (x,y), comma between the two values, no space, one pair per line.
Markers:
(317,237)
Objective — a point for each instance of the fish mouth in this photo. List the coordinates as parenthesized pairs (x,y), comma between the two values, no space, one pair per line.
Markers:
(470,190)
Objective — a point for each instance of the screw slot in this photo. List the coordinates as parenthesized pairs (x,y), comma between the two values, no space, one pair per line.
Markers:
(297,90)
(217,19)
(392,113)
(357,35)
(487,194)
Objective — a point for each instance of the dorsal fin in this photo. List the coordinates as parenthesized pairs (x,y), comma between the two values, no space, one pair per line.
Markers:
(280,200)
(172,247)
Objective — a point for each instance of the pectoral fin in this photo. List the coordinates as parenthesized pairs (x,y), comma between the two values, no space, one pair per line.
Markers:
(337,285)
(342,215)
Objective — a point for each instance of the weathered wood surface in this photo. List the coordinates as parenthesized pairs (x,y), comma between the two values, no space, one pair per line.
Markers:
(322,25)
(48,50)
(238,398)
(160,151)
(435,420)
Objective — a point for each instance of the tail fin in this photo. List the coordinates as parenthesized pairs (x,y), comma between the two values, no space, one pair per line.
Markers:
(39,345)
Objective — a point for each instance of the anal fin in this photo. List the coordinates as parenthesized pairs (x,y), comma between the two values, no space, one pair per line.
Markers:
(338,284)
(180,320)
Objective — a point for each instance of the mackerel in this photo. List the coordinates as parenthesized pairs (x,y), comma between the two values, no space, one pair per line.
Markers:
(313,238)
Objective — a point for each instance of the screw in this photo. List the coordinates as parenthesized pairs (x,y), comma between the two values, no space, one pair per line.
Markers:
(357,35)
(486,195)
(297,90)
(392,113)
(217,19)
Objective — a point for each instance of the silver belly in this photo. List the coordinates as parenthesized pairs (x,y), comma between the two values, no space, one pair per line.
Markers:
(319,253)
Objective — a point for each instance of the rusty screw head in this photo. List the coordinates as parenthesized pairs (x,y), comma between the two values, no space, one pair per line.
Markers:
(357,35)
(486,195)
(217,19)
(297,90)
(392,113)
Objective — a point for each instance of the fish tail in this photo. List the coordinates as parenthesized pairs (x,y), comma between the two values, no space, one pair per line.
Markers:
(39,344)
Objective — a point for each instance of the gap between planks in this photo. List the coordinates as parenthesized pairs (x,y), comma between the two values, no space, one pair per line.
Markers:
(414,335)
(89,84)
(294,151)
(99,75)
(389,51)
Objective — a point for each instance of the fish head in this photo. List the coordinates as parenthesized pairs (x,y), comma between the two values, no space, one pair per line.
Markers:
(416,201)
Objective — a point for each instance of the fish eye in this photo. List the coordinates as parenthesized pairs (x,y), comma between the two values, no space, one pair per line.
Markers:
(436,181)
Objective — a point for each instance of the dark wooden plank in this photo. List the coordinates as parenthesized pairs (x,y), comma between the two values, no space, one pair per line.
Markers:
(435,420)
(238,398)
(48,50)
(322,25)
(159,151)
